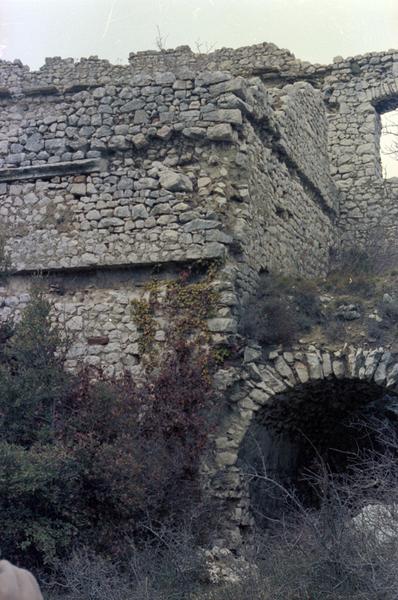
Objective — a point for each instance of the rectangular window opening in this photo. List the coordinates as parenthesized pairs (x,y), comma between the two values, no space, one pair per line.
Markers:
(389,144)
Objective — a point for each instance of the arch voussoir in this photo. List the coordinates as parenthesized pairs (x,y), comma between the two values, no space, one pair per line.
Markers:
(260,396)
(273,381)
(314,365)
(339,367)
(380,374)
(359,365)
(372,362)
(327,366)
(284,369)
(392,375)
(302,372)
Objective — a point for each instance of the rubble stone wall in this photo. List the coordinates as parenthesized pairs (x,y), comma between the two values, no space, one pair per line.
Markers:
(161,169)
(263,59)
(248,157)
(357,91)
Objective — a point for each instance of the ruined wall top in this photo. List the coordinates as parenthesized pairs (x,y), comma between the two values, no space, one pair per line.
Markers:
(258,59)
(265,60)
(261,59)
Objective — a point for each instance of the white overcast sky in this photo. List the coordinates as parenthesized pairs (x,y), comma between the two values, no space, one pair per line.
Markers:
(315,30)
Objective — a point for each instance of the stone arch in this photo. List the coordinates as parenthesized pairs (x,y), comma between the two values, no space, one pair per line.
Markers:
(261,381)
(384,96)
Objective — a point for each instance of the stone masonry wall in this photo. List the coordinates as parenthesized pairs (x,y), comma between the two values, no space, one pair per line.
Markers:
(263,59)
(249,159)
(120,166)
(151,170)
(357,91)
(124,165)
(95,309)
(137,203)
(285,216)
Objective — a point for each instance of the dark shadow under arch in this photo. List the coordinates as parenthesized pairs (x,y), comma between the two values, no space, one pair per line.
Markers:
(321,420)
(386,104)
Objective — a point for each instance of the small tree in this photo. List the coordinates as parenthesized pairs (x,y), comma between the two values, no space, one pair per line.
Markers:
(32,377)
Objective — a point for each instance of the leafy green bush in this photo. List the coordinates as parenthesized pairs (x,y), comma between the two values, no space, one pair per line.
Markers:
(39,493)
(38,478)
(87,458)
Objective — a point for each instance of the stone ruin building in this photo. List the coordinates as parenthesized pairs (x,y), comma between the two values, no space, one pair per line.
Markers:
(247,157)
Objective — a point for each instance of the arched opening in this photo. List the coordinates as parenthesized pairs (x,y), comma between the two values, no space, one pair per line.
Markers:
(319,421)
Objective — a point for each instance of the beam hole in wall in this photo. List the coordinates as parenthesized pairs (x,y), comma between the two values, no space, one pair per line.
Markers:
(389,143)
(321,421)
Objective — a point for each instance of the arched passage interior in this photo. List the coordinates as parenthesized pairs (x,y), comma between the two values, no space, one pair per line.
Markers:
(319,420)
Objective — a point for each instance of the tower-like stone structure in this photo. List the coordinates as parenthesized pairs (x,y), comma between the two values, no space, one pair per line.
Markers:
(248,158)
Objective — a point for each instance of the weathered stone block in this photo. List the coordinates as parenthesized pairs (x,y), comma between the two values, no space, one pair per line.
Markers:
(226,115)
(78,189)
(118,142)
(212,77)
(175,182)
(236,86)
(222,325)
(136,104)
(140,141)
(194,132)
(141,116)
(200,225)
(34,143)
(221,133)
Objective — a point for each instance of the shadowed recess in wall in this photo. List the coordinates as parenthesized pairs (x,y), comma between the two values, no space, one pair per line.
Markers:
(318,422)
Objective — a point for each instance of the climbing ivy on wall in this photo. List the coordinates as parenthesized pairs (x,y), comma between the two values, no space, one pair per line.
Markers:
(184,306)
(5,260)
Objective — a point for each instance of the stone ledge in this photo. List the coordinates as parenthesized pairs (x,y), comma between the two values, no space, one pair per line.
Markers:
(53,169)
(40,90)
